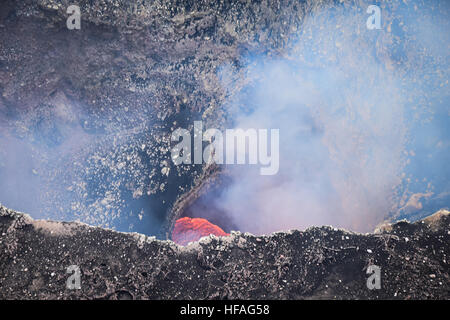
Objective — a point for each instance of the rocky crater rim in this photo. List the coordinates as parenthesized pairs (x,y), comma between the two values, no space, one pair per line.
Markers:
(64,228)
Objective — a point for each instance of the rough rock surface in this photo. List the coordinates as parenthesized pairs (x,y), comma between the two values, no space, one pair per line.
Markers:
(317,263)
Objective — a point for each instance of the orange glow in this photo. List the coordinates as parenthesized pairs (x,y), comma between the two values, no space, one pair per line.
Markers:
(192,229)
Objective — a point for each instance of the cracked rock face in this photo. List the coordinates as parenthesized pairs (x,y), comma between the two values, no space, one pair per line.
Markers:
(318,263)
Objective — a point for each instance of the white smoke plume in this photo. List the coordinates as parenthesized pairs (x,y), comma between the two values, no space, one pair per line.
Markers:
(341,97)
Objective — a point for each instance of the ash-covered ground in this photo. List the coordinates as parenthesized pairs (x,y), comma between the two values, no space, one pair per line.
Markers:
(319,263)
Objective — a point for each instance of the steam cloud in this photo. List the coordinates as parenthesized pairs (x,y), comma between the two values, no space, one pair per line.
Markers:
(347,103)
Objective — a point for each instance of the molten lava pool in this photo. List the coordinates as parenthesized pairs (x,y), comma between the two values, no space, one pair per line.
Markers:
(192,229)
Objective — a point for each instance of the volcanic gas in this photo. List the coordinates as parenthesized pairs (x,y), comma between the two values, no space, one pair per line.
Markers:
(192,229)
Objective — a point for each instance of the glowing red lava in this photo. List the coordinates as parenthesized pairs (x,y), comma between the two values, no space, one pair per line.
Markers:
(192,229)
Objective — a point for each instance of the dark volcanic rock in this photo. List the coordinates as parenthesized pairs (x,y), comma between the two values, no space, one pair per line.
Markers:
(317,263)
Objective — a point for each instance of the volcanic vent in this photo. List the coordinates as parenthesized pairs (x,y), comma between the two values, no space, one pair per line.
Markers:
(192,229)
